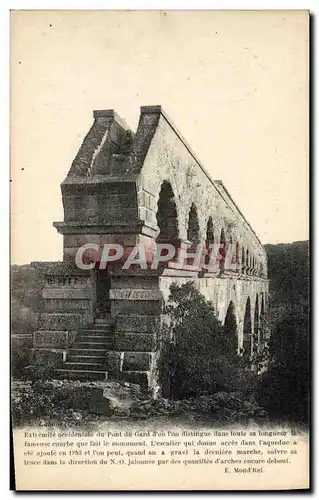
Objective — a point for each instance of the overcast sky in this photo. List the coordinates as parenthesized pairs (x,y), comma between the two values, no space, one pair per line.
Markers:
(234,83)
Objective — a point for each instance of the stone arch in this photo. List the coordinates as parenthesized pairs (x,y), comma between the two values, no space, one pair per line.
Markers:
(247,333)
(166,215)
(193,224)
(230,325)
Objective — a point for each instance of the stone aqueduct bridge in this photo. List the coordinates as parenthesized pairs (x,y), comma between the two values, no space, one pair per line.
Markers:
(129,189)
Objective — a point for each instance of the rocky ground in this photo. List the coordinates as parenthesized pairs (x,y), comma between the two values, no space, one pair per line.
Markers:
(73,403)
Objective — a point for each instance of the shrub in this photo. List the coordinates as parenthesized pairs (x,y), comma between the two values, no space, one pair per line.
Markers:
(196,353)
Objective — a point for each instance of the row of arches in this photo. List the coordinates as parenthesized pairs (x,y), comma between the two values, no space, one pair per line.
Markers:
(241,259)
(253,331)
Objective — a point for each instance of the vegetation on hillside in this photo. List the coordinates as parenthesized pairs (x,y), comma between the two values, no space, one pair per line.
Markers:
(288,272)
(284,389)
(26,291)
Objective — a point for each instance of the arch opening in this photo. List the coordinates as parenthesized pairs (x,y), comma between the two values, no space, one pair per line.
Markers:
(247,341)
(243,261)
(193,225)
(230,253)
(166,215)
(256,339)
(209,239)
(237,255)
(247,262)
(233,257)
(222,250)
(209,232)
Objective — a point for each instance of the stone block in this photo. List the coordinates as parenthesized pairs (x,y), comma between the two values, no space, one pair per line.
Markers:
(135,323)
(116,215)
(135,282)
(68,281)
(67,305)
(114,361)
(137,361)
(135,294)
(48,356)
(135,342)
(77,240)
(138,307)
(60,321)
(66,293)
(54,339)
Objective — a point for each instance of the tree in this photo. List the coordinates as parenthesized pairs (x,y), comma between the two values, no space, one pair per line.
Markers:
(197,354)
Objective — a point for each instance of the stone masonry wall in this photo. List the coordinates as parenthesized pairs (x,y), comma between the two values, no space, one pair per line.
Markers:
(68,298)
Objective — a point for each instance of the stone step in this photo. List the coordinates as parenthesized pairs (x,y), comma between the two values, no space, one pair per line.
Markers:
(81,374)
(92,345)
(107,320)
(87,352)
(78,358)
(105,331)
(93,338)
(82,365)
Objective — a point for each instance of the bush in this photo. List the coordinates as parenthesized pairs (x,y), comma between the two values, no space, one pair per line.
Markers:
(196,354)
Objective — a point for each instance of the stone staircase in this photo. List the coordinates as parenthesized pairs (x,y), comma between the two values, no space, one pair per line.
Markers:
(86,359)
